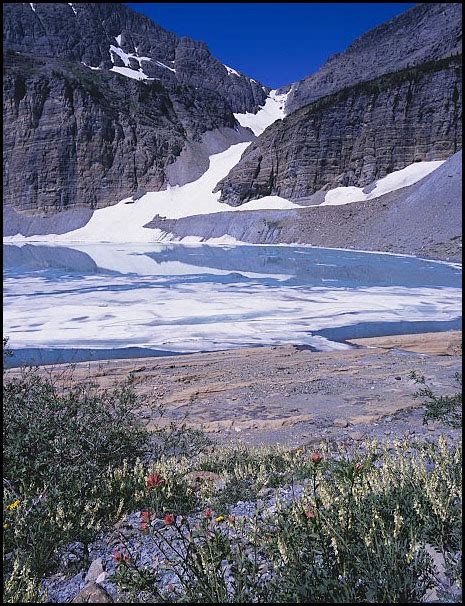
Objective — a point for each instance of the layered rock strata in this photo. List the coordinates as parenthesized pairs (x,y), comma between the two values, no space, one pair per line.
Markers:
(106,35)
(100,104)
(355,136)
(73,137)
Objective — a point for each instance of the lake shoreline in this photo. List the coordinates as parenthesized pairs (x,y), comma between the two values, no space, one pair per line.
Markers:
(20,240)
(286,394)
(351,336)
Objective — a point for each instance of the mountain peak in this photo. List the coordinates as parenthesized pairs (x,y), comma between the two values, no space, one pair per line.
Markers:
(111,36)
(425,32)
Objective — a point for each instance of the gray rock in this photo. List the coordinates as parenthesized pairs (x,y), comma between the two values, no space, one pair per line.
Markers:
(404,221)
(194,158)
(101,578)
(92,594)
(14,221)
(265,493)
(54,30)
(61,589)
(341,423)
(72,139)
(72,553)
(95,570)
(426,32)
(76,138)
(357,436)
(355,136)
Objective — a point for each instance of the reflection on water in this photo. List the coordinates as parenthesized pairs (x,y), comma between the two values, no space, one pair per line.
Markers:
(312,266)
(192,298)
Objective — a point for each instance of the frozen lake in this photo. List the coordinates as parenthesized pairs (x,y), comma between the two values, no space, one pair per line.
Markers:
(98,301)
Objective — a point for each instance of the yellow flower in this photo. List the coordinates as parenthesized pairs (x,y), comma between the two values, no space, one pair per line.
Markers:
(5,525)
(13,505)
(219,519)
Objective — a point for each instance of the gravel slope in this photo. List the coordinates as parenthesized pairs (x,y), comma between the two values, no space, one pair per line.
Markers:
(423,219)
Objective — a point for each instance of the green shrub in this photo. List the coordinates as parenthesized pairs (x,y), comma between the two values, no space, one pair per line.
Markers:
(21,586)
(76,459)
(447,409)
(61,449)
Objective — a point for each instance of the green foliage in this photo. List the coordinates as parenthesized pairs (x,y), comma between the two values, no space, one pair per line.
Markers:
(21,586)
(358,533)
(447,409)
(73,465)
(60,452)
(180,440)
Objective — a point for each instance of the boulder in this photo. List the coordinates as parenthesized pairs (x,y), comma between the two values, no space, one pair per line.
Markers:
(92,594)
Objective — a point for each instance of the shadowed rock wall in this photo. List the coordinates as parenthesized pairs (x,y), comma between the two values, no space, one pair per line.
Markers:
(355,136)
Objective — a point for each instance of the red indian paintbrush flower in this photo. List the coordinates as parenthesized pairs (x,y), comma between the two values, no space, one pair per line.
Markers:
(309,513)
(315,457)
(120,557)
(153,479)
(168,519)
(207,513)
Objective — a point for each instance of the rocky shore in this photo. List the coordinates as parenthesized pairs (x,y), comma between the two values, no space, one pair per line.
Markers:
(287,395)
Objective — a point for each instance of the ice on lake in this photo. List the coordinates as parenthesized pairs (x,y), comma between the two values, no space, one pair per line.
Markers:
(179,298)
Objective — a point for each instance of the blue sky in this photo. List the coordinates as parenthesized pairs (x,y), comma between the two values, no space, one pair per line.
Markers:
(275,43)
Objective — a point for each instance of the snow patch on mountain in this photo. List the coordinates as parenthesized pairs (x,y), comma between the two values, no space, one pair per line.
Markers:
(129,72)
(395,180)
(90,66)
(232,72)
(270,112)
(160,64)
(126,56)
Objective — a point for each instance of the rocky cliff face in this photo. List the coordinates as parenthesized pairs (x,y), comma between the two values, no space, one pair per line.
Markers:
(74,137)
(100,104)
(355,136)
(81,137)
(111,35)
(426,32)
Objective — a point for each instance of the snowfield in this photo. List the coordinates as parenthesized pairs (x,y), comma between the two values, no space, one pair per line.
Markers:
(395,180)
(272,110)
(124,222)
